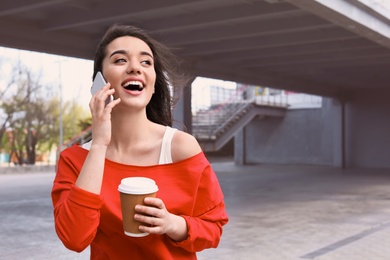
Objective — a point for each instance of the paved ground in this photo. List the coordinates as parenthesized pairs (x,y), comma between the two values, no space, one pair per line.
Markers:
(276,212)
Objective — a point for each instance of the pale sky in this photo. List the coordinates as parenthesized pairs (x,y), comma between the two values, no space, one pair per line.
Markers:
(75,74)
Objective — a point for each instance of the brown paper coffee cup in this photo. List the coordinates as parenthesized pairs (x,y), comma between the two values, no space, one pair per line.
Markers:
(133,191)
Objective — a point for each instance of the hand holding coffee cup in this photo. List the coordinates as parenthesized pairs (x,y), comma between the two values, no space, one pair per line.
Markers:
(133,191)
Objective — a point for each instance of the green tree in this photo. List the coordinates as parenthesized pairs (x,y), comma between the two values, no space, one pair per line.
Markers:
(7,116)
(24,106)
(32,119)
(74,117)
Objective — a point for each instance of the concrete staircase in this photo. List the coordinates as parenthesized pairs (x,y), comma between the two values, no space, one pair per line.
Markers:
(213,128)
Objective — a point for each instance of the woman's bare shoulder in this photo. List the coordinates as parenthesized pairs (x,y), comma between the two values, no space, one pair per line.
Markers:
(184,146)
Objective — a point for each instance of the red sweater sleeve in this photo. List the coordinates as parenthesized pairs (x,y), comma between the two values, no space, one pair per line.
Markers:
(205,226)
(76,211)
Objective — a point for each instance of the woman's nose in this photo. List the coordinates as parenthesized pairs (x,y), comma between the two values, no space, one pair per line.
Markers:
(133,67)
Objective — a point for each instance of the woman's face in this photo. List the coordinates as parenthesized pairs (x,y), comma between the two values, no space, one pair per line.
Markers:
(129,67)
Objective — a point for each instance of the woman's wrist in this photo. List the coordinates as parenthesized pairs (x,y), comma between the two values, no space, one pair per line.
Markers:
(179,231)
(98,147)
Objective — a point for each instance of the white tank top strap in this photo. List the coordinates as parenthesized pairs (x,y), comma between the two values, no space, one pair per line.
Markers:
(87,146)
(165,153)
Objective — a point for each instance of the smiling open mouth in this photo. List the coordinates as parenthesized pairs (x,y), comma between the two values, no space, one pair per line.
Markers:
(134,85)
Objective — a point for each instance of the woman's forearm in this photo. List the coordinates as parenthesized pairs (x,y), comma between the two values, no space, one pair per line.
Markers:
(91,174)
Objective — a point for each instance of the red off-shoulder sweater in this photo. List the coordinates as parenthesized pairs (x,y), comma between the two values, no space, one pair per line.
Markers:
(188,188)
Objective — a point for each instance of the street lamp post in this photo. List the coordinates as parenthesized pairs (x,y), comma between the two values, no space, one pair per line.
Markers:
(60,89)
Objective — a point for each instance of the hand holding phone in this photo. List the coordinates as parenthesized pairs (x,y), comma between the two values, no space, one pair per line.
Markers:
(98,83)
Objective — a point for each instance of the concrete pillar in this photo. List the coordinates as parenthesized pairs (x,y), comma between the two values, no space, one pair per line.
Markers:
(182,114)
(239,147)
(343,149)
(336,118)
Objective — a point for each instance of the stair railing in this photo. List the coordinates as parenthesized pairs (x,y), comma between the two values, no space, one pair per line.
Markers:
(217,117)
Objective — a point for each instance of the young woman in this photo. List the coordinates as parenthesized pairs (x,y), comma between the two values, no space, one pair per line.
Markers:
(132,136)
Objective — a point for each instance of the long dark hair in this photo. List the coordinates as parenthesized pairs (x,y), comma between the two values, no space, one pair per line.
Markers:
(166,65)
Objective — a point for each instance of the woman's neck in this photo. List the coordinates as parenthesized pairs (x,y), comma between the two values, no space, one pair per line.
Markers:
(134,139)
(128,128)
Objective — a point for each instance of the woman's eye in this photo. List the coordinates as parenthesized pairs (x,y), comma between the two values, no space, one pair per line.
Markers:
(120,60)
(146,62)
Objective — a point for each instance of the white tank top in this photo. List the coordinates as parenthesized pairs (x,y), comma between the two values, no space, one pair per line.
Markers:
(165,153)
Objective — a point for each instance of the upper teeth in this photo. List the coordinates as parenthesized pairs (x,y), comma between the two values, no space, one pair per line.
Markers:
(133,82)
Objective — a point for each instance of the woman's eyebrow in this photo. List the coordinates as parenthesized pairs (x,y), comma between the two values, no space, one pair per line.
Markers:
(125,52)
(118,52)
(147,54)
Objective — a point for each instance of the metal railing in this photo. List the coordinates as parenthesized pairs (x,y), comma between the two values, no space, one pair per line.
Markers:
(209,123)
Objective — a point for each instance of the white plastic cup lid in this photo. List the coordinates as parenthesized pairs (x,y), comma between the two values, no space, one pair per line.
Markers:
(137,185)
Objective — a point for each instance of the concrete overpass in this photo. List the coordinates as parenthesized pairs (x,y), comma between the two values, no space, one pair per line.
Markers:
(334,48)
